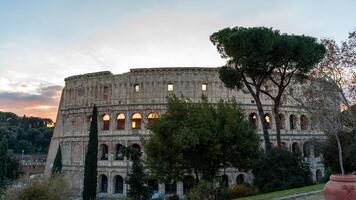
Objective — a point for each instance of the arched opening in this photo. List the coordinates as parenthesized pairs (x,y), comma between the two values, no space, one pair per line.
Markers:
(118,184)
(104,152)
(282,120)
(103,184)
(268,121)
(170,188)
(78,123)
(119,154)
(136,121)
(89,118)
(253,119)
(319,176)
(304,122)
(307,149)
(136,147)
(106,122)
(152,117)
(120,120)
(272,144)
(188,183)
(153,185)
(295,149)
(284,145)
(317,148)
(292,122)
(240,179)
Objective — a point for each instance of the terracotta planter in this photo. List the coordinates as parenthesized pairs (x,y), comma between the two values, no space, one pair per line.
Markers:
(340,187)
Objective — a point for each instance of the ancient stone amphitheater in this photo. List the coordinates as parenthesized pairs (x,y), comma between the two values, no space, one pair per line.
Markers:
(127,102)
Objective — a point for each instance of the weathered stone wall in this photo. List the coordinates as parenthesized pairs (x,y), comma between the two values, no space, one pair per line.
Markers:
(144,91)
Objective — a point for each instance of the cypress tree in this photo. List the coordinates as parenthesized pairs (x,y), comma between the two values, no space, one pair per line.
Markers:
(57,164)
(137,178)
(91,160)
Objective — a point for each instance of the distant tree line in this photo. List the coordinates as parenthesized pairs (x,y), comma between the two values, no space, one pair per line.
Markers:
(29,134)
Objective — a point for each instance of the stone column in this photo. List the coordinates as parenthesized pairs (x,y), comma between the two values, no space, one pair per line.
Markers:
(161,189)
(180,192)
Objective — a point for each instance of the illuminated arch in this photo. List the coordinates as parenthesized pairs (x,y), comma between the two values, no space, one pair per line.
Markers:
(136,120)
(268,120)
(152,117)
(106,122)
(120,120)
(252,118)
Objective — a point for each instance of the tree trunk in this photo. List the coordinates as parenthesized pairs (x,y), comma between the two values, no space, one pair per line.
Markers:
(278,123)
(264,127)
(339,148)
(196,175)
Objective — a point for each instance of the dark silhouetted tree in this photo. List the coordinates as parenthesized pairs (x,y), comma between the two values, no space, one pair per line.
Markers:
(200,139)
(265,62)
(91,160)
(137,178)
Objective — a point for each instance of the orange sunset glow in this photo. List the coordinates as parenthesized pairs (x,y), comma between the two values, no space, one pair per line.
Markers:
(43,104)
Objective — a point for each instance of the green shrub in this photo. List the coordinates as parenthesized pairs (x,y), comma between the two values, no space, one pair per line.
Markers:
(208,191)
(241,190)
(174,197)
(330,152)
(278,169)
(54,188)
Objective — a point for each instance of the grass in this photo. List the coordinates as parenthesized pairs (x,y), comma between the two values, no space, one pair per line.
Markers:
(284,193)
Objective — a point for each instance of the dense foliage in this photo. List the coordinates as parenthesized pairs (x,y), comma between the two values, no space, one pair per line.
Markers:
(57,164)
(208,190)
(91,160)
(260,59)
(242,190)
(137,177)
(53,188)
(278,170)
(30,134)
(199,139)
(330,152)
(9,167)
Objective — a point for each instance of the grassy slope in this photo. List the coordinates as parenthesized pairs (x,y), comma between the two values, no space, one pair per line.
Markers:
(284,193)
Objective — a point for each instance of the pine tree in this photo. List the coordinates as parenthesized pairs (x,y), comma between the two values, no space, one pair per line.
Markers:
(91,159)
(137,178)
(57,164)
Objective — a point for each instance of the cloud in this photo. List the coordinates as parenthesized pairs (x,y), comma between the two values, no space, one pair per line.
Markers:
(42,104)
(33,67)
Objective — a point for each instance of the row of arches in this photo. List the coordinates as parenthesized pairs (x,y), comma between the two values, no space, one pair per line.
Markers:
(307,149)
(170,188)
(120,121)
(136,120)
(118,184)
(118,153)
(304,121)
(105,121)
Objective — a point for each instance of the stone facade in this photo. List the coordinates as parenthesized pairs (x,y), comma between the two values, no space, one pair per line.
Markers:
(125,102)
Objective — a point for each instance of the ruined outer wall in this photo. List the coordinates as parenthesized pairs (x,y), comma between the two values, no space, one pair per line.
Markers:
(114,94)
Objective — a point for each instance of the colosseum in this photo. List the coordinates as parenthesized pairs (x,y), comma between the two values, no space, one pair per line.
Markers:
(128,101)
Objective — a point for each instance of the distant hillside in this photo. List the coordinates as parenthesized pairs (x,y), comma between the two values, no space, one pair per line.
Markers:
(30,134)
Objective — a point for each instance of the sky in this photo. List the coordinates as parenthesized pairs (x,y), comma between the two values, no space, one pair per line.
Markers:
(44,41)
